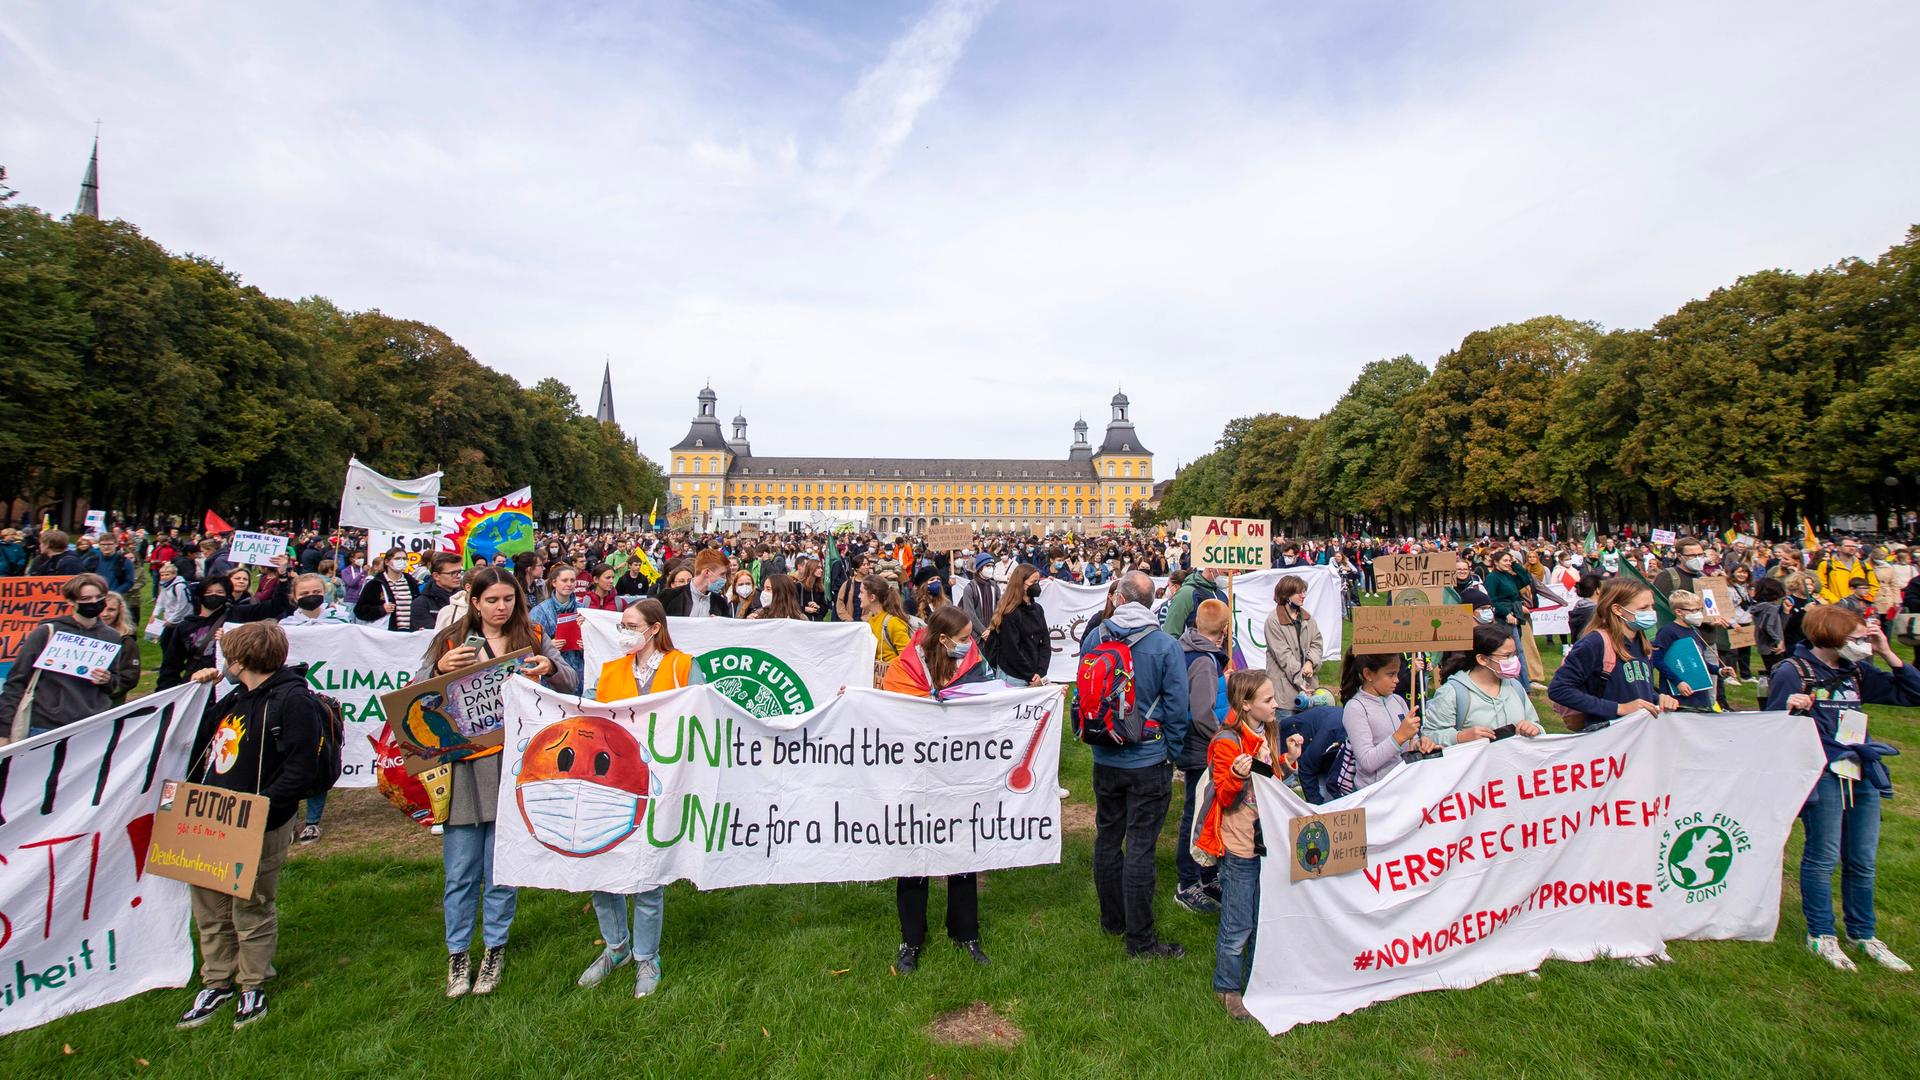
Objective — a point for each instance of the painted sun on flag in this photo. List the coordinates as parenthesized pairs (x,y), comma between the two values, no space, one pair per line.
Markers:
(478,532)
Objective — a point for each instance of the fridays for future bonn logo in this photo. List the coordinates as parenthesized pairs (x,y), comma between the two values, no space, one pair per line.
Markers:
(1697,853)
(757,681)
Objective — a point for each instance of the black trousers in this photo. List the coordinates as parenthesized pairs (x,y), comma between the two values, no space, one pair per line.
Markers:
(1130,809)
(963,908)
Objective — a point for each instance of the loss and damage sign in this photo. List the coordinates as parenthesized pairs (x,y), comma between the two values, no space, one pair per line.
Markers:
(1223,543)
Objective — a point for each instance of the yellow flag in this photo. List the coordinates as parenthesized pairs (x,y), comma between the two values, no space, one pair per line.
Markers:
(1808,541)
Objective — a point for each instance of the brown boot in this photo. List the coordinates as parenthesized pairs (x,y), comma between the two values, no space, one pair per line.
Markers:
(1235,1007)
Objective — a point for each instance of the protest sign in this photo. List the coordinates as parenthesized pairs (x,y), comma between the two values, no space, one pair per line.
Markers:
(686,785)
(1070,608)
(769,667)
(256,549)
(96,521)
(454,716)
(1322,845)
(1420,570)
(949,537)
(68,653)
(1663,536)
(1222,543)
(25,602)
(82,923)
(1740,636)
(208,836)
(1412,628)
(1716,600)
(1500,855)
(478,532)
(418,546)
(375,502)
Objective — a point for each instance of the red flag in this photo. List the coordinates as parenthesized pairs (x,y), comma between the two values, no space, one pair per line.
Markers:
(215,525)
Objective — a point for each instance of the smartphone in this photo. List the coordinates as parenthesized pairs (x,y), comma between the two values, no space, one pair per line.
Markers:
(1506,731)
(477,642)
(1262,768)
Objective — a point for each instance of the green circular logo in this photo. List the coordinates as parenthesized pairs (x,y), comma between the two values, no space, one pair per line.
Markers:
(1313,847)
(756,680)
(1700,857)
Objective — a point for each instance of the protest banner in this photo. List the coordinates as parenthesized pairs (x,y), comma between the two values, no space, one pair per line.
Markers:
(25,602)
(418,546)
(1501,855)
(208,836)
(1420,570)
(454,716)
(1412,628)
(68,653)
(1664,536)
(1069,609)
(256,549)
(949,537)
(374,502)
(686,785)
(479,531)
(769,667)
(355,665)
(1222,543)
(82,923)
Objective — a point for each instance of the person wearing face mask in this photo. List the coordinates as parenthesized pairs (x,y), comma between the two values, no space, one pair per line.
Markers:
(1295,648)
(558,618)
(353,577)
(1837,571)
(310,607)
(1607,673)
(35,701)
(1017,640)
(1828,676)
(1693,564)
(743,594)
(1688,616)
(704,593)
(779,598)
(648,659)
(1480,692)
(1177,617)
(187,646)
(1481,603)
(942,655)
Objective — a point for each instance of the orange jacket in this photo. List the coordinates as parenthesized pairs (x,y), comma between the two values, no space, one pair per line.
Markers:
(1228,790)
(616,677)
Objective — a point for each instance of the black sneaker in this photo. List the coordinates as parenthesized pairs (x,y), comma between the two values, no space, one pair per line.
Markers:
(253,1006)
(1159,950)
(1195,899)
(205,1004)
(907,960)
(309,833)
(972,948)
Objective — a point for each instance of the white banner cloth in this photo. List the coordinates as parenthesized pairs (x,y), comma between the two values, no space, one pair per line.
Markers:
(372,501)
(769,666)
(355,665)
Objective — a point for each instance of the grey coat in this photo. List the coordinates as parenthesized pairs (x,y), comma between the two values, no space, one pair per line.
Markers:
(474,796)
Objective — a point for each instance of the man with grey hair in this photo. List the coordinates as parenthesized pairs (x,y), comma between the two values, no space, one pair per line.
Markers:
(1133,782)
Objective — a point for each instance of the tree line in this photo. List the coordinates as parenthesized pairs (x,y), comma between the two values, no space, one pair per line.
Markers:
(152,383)
(1779,395)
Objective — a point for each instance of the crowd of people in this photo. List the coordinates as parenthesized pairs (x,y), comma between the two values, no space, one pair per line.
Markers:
(1817,618)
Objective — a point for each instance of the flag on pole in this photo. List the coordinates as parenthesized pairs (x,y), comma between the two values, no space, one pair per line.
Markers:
(1593,540)
(214,524)
(1808,541)
(373,501)
(829,555)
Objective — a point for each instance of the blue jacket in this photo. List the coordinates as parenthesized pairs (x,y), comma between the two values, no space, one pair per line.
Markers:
(1577,685)
(546,615)
(1159,691)
(1847,686)
(118,571)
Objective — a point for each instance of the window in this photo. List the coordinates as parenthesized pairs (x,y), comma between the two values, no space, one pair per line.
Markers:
(1110,508)
(679,464)
(1109,468)
(1126,468)
(699,464)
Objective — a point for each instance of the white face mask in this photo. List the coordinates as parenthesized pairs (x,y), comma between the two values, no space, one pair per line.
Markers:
(1484,615)
(631,639)
(766,597)
(579,817)
(1695,618)
(743,591)
(1857,651)
(1695,564)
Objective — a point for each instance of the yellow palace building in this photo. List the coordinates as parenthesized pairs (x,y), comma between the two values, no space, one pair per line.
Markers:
(1091,488)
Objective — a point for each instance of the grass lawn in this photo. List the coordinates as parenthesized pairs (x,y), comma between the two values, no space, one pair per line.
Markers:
(796,981)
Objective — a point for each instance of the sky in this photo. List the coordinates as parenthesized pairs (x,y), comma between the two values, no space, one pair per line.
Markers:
(950,227)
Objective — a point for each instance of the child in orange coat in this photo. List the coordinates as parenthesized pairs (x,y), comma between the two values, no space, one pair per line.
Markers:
(1231,832)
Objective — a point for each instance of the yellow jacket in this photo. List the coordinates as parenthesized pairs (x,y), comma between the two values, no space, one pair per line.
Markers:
(891,632)
(1834,575)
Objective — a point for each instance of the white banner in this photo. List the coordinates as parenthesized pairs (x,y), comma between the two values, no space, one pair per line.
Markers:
(1070,608)
(372,501)
(1498,856)
(355,665)
(769,666)
(81,922)
(687,785)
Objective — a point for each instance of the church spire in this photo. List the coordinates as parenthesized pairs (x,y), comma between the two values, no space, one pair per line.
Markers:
(605,413)
(89,204)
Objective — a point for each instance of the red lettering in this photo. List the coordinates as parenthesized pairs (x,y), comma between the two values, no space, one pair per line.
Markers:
(46,931)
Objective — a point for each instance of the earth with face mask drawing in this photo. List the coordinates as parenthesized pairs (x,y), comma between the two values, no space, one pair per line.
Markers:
(583,785)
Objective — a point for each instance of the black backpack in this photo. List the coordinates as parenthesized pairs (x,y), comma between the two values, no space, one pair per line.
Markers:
(333,732)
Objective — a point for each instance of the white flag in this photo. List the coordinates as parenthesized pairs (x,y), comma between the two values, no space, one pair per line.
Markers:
(373,501)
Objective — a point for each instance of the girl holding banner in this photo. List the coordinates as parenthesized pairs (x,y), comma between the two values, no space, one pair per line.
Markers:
(497,617)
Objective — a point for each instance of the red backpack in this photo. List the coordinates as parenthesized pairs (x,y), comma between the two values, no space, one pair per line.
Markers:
(1103,712)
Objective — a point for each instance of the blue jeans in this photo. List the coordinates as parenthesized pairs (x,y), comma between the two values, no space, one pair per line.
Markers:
(316,805)
(1239,919)
(1190,872)
(1845,835)
(649,910)
(466,851)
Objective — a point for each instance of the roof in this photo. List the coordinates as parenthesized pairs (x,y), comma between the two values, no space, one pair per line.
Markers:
(706,432)
(1122,439)
(916,468)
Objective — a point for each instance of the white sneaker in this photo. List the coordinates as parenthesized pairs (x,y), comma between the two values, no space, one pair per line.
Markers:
(1064,793)
(1641,962)
(1827,947)
(1878,952)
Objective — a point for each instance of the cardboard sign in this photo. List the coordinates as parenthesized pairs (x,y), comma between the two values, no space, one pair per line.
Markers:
(1664,536)
(68,653)
(1422,570)
(1403,628)
(208,836)
(96,521)
(1741,637)
(1221,543)
(25,602)
(948,537)
(256,549)
(1716,600)
(453,716)
(1325,845)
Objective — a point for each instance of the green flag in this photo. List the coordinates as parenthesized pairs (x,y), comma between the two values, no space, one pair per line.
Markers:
(829,555)
(1660,604)
(1593,540)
